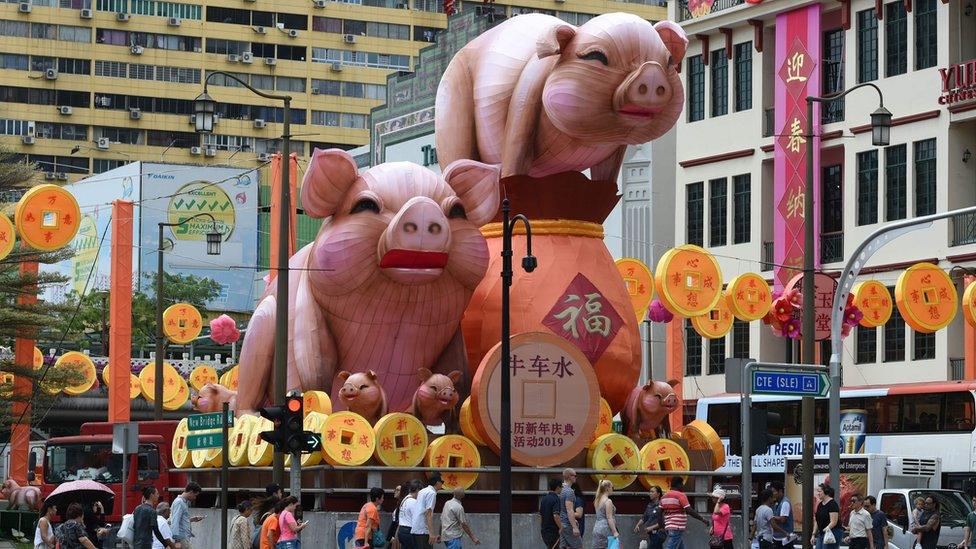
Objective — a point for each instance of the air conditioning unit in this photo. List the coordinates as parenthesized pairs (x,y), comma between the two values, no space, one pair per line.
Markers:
(264,157)
(349,38)
(122,17)
(61,175)
(136,50)
(403,6)
(293,33)
(174,22)
(50,175)
(29,139)
(271,61)
(196,151)
(86,14)
(65,110)
(210,151)
(260,30)
(247,57)
(25,7)
(318,3)
(104,101)
(233,58)
(912,467)
(336,66)
(135,114)
(260,123)
(51,74)
(315,90)
(103,143)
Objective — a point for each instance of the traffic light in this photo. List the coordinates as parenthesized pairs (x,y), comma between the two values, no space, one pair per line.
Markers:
(761,422)
(288,436)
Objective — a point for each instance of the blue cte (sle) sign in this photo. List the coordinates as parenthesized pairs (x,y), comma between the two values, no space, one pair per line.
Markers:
(766,382)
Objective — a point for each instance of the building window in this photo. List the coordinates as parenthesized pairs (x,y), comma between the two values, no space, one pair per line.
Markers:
(833,74)
(894,335)
(896,39)
(718,194)
(926,34)
(695,204)
(742,206)
(924,346)
(743,76)
(696,88)
(867,187)
(867,345)
(716,356)
(832,198)
(693,350)
(925,177)
(740,339)
(867,46)
(720,83)
(896,194)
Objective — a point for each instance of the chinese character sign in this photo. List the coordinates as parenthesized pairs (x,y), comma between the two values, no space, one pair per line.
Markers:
(798,75)
(824,287)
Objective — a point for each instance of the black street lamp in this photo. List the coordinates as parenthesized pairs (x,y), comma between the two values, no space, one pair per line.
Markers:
(205,109)
(529,264)
(213,248)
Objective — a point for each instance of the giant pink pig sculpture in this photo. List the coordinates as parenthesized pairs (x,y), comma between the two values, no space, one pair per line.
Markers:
(385,282)
(540,96)
(646,409)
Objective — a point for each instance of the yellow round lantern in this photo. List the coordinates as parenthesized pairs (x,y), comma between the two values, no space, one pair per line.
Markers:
(229,378)
(80,363)
(662,455)
(701,436)
(47,217)
(180,398)
(171,382)
(347,439)
(715,324)
(202,375)
(969,304)
(605,425)
(8,236)
(401,440)
(613,451)
(240,436)
(688,281)
(200,458)
(135,386)
(182,323)
(466,421)
(38,358)
(748,297)
(316,401)
(259,452)
(639,283)
(874,301)
(454,451)
(181,456)
(926,297)
(313,422)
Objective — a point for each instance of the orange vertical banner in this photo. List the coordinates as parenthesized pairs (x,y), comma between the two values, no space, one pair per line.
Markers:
(23,358)
(675,342)
(969,340)
(120,313)
(276,209)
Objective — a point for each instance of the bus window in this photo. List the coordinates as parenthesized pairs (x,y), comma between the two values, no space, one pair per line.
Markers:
(148,467)
(921,413)
(959,414)
(724,418)
(883,415)
(822,416)
(789,413)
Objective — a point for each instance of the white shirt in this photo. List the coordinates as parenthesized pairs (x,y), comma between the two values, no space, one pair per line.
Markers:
(164,529)
(408,510)
(859,523)
(425,500)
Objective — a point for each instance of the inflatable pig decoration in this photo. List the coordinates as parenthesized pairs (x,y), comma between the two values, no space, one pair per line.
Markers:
(385,282)
(26,497)
(436,399)
(647,408)
(540,96)
(211,396)
(361,393)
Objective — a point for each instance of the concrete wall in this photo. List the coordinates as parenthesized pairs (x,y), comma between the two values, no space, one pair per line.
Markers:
(321,531)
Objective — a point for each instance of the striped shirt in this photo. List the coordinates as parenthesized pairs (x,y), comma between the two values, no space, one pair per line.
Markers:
(673,503)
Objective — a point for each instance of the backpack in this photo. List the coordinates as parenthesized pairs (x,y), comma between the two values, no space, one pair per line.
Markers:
(256,536)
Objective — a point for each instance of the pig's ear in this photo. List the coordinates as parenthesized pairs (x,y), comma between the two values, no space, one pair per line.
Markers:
(330,174)
(343,375)
(423,374)
(371,375)
(476,184)
(455,375)
(553,41)
(674,383)
(675,40)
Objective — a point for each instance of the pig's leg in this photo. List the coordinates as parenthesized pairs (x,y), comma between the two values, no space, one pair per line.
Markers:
(454,106)
(523,116)
(257,356)
(608,169)
(312,364)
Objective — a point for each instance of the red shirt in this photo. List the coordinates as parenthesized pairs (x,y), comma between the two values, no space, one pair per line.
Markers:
(673,503)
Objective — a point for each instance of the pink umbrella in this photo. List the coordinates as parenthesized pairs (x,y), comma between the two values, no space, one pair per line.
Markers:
(80,491)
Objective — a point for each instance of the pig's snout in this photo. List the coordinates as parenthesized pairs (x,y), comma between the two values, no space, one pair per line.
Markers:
(420,225)
(446,394)
(647,92)
(670,402)
(349,392)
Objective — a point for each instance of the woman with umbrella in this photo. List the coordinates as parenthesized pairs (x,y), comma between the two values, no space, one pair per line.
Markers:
(92,497)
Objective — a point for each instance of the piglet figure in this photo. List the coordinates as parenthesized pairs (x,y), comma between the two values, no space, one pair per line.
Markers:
(647,408)
(361,393)
(210,398)
(21,496)
(435,401)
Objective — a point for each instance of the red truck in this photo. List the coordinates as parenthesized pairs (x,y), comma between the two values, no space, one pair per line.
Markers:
(89,456)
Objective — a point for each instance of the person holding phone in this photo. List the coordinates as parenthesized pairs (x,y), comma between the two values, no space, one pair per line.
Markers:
(180,515)
(288,526)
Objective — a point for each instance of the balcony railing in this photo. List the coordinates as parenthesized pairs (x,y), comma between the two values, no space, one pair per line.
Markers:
(831,247)
(767,256)
(957,369)
(963,230)
(704,7)
(769,122)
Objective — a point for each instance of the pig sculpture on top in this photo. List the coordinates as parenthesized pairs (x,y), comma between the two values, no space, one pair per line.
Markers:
(385,282)
(647,409)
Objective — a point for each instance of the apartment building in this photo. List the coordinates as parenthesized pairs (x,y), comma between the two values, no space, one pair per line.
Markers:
(740,116)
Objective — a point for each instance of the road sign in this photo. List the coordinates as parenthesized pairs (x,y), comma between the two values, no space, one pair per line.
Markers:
(205,441)
(125,438)
(205,422)
(774,382)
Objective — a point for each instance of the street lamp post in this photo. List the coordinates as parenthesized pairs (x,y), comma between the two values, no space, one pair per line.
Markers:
(205,108)
(880,133)
(213,248)
(505,461)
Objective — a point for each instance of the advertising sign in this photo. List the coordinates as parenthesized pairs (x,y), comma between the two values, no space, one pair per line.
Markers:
(774,459)
(853,480)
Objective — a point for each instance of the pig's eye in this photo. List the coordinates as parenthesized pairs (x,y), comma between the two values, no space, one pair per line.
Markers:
(363,387)
(457,212)
(670,60)
(365,205)
(596,56)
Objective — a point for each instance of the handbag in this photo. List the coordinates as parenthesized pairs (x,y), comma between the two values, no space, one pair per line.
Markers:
(378,539)
(828,537)
(717,541)
(613,542)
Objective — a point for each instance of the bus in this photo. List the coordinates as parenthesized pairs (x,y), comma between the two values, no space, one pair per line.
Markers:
(913,420)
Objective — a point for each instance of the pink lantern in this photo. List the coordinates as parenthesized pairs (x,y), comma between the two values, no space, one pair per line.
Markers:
(223,330)
(656,312)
